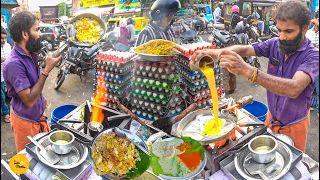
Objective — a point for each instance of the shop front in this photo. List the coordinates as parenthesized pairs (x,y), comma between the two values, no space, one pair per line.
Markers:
(6,13)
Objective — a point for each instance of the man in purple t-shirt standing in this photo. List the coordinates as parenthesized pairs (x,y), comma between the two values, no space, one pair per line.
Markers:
(24,80)
(292,69)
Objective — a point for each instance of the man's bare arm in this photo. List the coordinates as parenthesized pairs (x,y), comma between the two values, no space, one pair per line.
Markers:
(30,96)
(242,50)
(291,88)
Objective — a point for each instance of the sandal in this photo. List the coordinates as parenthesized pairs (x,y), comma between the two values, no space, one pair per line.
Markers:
(6,118)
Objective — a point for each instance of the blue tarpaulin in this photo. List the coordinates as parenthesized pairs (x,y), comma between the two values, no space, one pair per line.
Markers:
(314,5)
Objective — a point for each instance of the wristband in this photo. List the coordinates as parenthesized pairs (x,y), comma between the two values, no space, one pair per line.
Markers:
(254,75)
(46,74)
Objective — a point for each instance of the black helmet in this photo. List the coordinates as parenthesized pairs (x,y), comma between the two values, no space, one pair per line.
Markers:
(112,37)
(164,8)
(130,21)
(220,4)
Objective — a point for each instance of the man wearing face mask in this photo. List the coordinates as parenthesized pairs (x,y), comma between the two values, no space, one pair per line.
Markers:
(162,14)
(292,69)
(25,80)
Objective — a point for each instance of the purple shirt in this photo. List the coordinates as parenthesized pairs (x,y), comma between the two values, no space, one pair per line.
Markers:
(306,59)
(21,72)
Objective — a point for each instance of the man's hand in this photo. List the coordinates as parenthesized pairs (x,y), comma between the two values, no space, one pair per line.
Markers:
(315,22)
(213,53)
(51,62)
(234,63)
(3,59)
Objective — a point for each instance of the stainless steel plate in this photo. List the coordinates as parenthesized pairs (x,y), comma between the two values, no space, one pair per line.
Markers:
(155,58)
(129,134)
(192,117)
(75,157)
(71,31)
(283,159)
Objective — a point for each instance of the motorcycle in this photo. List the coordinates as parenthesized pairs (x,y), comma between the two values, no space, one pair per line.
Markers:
(76,60)
(43,53)
(224,39)
(110,43)
(200,27)
(188,37)
(273,31)
(246,26)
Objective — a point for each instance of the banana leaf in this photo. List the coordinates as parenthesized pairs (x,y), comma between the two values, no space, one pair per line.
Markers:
(141,166)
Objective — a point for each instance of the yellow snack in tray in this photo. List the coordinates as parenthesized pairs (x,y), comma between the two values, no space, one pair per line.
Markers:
(114,154)
(157,47)
(88,30)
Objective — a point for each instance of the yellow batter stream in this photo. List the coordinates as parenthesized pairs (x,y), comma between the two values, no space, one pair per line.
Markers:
(213,127)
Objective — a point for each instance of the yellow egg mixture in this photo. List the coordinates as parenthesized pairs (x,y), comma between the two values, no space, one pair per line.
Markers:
(212,127)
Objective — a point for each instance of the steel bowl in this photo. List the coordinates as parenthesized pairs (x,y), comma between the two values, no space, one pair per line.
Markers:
(263,148)
(61,141)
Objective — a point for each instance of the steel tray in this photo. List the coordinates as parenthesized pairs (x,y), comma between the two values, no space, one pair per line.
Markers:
(228,166)
(74,173)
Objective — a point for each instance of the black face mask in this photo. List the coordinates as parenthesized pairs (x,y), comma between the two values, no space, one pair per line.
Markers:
(290,46)
(33,45)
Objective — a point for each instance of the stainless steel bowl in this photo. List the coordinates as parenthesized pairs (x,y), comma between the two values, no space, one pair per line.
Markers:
(263,148)
(61,141)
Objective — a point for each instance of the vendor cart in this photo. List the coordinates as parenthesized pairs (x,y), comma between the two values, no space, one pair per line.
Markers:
(220,161)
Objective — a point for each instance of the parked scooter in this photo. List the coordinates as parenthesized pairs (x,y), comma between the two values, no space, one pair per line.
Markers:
(76,60)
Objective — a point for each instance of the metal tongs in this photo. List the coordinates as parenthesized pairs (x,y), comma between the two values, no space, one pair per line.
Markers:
(122,134)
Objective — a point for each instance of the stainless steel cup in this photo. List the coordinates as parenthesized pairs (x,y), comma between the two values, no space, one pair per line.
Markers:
(203,61)
(56,138)
(263,148)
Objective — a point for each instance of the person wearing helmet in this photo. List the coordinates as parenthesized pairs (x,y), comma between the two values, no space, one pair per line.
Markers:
(235,17)
(162,14)
(130,26)
(217,14)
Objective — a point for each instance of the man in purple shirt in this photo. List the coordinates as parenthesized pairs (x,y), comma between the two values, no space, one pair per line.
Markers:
(292,69)
(24,80)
